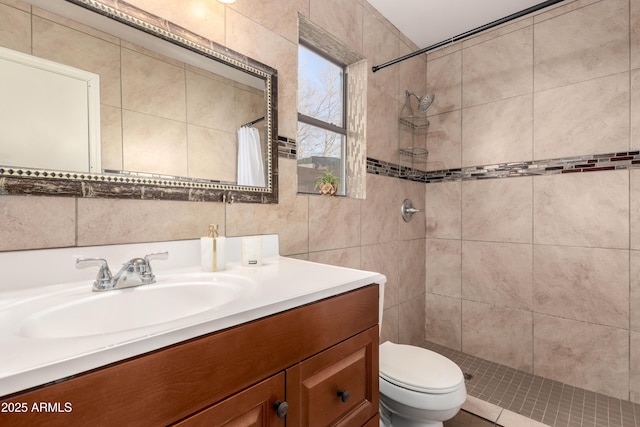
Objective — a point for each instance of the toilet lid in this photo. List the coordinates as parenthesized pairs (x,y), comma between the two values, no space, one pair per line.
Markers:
(418,369)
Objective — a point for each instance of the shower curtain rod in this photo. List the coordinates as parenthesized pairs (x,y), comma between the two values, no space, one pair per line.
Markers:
(253,122)
(469,33)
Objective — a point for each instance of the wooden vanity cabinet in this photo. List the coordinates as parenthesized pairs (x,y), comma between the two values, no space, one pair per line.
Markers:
(319,360)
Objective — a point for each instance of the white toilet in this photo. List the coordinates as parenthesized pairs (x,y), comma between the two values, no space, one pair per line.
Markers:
(418,387)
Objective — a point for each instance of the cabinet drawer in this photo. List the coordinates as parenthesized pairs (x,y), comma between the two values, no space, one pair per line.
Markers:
(253,407)
(338,386)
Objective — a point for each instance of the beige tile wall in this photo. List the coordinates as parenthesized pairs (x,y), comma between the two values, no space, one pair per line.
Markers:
(367,234)
(540,273)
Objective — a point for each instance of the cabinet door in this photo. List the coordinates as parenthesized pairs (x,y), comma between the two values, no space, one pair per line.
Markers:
(337,387)
(253,407)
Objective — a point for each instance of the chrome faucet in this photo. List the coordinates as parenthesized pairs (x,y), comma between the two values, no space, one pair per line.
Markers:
(135,272)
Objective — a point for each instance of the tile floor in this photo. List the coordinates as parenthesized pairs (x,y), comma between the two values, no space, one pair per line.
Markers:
(540,399)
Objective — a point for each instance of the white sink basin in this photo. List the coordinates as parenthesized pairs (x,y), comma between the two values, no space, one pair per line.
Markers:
(87,313)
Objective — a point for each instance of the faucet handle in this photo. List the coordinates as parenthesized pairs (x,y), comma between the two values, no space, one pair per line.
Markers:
(157,255)
(148,275)
(104,278)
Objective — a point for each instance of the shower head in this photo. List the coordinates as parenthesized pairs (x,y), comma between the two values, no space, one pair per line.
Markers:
(424,102)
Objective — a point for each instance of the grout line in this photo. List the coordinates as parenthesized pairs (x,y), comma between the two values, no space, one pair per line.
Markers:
(495,423)
(582,409)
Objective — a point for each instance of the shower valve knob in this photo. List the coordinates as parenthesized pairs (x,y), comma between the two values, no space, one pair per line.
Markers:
(408,210)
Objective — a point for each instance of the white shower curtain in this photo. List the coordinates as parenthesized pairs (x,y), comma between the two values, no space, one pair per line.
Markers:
(250,166)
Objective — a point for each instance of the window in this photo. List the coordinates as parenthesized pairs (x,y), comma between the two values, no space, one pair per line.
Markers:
(322,117)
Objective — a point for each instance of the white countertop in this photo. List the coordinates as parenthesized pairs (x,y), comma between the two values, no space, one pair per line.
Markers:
(279,284)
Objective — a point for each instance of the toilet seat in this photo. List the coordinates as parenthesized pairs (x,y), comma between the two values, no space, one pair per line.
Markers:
(419,369)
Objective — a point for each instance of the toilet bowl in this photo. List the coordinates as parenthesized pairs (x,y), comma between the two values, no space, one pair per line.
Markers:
(418,387)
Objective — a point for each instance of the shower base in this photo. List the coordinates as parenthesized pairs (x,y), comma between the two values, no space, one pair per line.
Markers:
(495,388)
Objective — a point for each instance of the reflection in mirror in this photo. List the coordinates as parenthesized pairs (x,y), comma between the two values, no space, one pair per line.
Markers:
(50,114)
(169,116)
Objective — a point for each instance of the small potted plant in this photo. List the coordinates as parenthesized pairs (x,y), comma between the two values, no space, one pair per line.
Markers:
(327,184)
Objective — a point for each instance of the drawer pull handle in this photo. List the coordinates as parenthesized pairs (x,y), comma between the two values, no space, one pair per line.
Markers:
(281,408)
(343,395)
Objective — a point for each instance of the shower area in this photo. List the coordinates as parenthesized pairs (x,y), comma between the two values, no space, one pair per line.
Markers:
(532,212)
(531,313)
(532,285)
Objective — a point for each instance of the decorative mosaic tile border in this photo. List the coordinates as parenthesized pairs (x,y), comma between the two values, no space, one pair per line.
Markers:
(588,163)
(287,148)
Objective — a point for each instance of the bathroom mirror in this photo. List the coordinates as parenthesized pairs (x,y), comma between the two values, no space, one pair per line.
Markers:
(174,108)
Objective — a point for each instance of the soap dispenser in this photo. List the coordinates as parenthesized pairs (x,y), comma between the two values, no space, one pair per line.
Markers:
(212,250)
